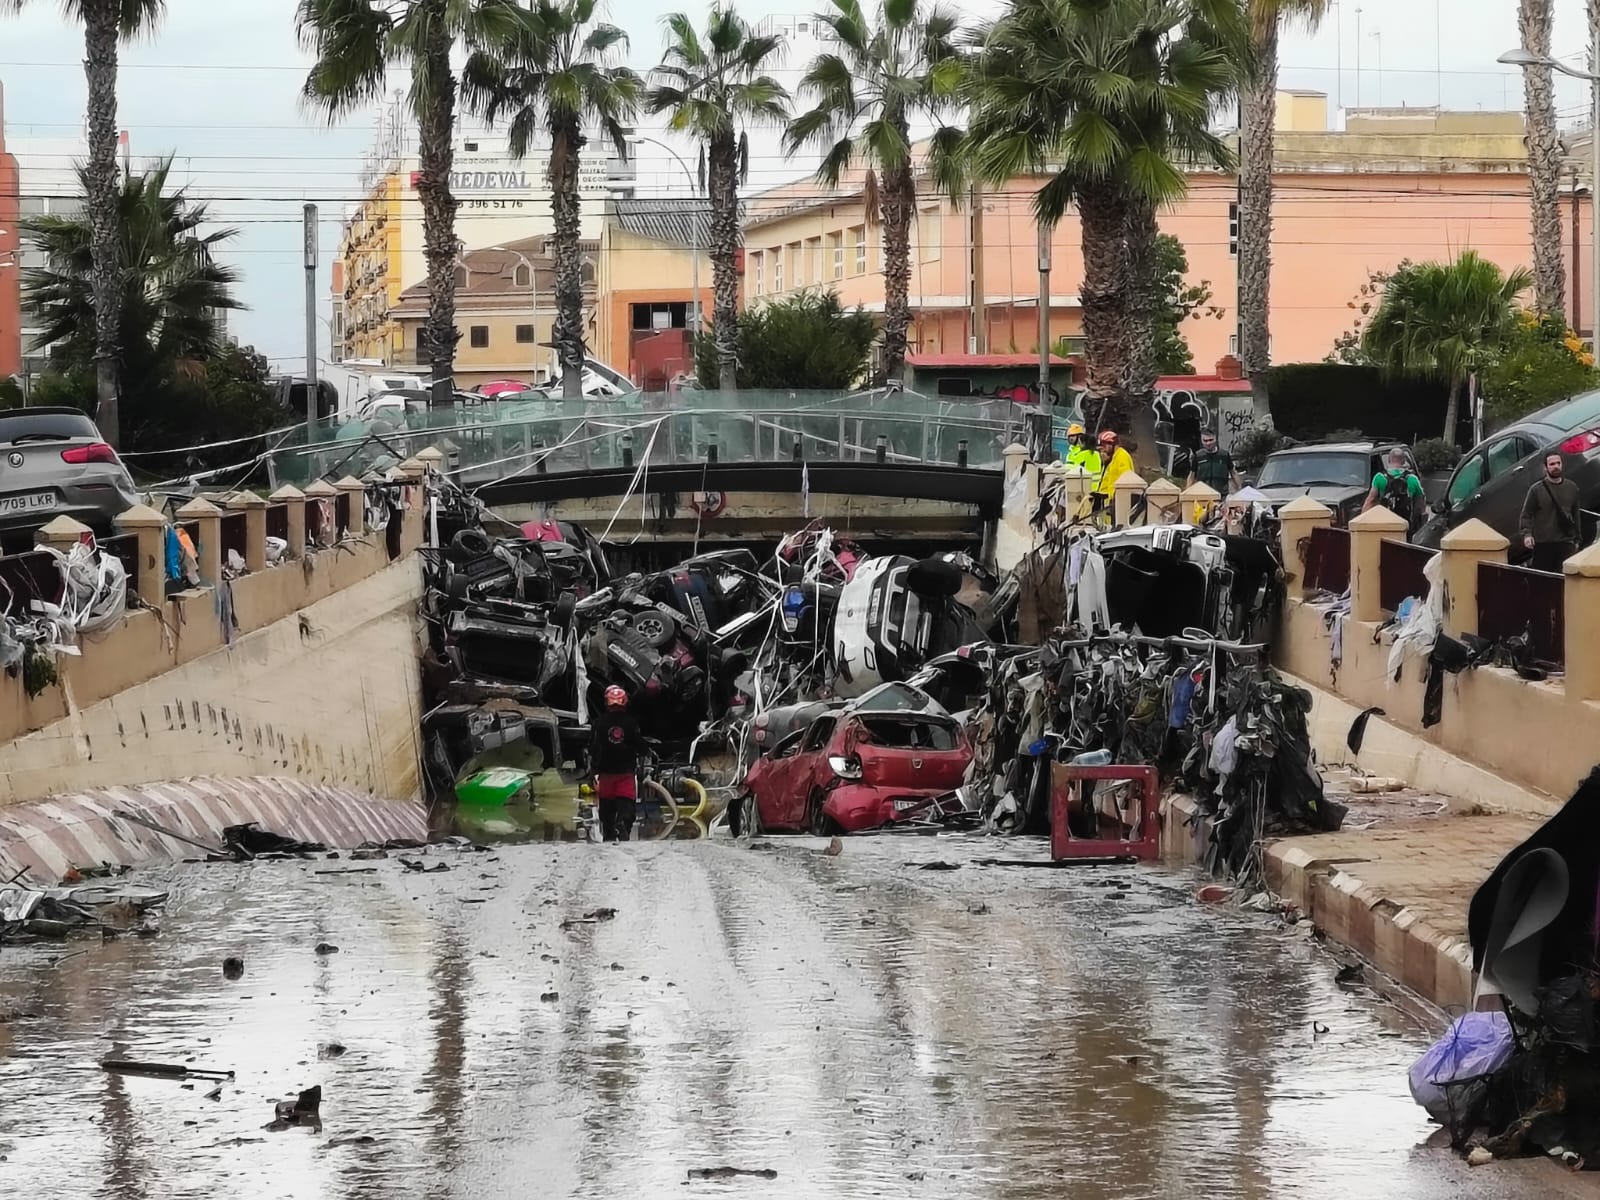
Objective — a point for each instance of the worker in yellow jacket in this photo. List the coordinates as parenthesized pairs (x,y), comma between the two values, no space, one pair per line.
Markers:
(1080,453)
(1115,462)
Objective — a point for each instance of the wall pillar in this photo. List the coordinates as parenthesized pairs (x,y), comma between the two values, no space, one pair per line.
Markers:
(255,528)
(316,492)
(357,491)
(150,527)
(1582,620)
(62,534)
(1197,495)
(294,503)
(1129,486)
(432,460)
(1368,532)
(1464,547)
(208,548)
(1296,520)
(1163,501)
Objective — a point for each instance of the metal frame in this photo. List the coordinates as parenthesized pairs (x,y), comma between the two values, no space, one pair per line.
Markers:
(1144,848)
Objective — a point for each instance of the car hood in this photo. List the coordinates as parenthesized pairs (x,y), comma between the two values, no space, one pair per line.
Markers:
(1333,495)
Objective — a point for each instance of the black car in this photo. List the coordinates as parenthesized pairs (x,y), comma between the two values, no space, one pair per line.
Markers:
(1492,479)
(1337,474)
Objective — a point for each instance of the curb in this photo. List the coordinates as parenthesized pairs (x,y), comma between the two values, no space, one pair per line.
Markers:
(1397,941)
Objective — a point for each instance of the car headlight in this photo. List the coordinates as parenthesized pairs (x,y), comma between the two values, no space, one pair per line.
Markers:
(844,768)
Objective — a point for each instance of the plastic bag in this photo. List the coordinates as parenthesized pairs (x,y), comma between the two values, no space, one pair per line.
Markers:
(1446,1080)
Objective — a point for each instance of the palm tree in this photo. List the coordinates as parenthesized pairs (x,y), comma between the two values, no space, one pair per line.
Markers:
(864,98)
(1445,320)
(557,71)
(106,25)
(171,287)
(1534,22)
(356,42)
(712,87)
(1110,100)
(1258,107)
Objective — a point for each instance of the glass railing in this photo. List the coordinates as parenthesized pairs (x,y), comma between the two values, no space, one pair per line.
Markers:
(505,439)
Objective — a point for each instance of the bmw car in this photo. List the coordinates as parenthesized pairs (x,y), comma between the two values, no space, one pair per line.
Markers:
(53,462)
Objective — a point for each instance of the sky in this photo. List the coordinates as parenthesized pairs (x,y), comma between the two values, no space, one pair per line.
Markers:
(218,85)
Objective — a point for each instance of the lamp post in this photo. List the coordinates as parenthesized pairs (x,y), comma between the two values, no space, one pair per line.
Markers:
(1523,57)
(694,232)
(533,288)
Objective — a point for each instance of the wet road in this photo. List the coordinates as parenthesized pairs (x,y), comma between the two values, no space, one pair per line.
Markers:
(858,1025)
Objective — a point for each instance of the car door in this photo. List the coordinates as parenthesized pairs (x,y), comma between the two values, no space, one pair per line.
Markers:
(1507,460)
(811,768)
(770,779)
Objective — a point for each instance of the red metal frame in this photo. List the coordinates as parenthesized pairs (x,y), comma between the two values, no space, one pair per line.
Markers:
(1145,847)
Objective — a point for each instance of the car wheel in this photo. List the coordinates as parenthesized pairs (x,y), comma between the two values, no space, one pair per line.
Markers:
(816,822)
(566,608)
(469,544)
(656,628)
(748,815)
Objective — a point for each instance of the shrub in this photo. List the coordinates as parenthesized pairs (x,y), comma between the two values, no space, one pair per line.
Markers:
(1540,363)
(1311,400)
(805,341)
(1250,448)
(1435,454)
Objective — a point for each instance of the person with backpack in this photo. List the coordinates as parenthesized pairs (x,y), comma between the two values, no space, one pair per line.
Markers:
(1400,491)
(1549,524)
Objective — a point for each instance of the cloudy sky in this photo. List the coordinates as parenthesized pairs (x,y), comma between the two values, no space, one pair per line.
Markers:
(218,87)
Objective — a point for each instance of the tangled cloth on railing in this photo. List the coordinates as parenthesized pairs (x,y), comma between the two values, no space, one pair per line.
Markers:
(94,596)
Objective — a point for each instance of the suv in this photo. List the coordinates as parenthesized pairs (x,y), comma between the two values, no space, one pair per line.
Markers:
(53,462)
(1338,474)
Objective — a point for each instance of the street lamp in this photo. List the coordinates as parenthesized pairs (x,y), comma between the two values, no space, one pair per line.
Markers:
(694,230)
(1523,57)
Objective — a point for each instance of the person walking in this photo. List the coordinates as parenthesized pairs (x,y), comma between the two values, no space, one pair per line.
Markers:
(1213,466)
(618,747)
(1399,490)
(1550,522)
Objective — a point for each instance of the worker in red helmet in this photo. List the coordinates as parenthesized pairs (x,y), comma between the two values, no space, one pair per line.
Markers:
(615,755)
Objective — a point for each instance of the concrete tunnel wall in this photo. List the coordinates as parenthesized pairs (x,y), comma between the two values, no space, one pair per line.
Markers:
(321,683)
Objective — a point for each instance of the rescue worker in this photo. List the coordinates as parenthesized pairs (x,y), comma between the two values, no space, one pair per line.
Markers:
(1115,462)
(1400,491)
(1080,453)
(1213,466)
(615,754)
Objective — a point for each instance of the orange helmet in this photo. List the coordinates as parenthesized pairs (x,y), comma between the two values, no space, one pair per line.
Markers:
(616,697)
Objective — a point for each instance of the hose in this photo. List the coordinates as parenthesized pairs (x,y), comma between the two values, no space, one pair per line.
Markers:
(670,804)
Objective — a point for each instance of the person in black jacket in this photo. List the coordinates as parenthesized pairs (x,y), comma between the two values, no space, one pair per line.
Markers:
(618,746)
(1550,524)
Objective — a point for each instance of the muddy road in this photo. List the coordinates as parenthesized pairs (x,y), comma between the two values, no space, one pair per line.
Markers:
(859,1025)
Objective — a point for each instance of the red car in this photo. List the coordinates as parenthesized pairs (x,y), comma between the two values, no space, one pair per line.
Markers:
(883,759)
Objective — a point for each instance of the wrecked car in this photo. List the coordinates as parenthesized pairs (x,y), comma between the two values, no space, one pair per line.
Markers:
(884,758)
(1161,580)
(893,615)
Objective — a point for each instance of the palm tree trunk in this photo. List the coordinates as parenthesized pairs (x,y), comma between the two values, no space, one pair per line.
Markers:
(1104,296)
(436,155)
(1144,298)
(566,144)
(1534,21)
(100,33)
(899,205)
(1452,411)
(1259,110)
(722,171)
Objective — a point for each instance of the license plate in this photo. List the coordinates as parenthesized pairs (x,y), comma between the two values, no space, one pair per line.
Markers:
(27,502)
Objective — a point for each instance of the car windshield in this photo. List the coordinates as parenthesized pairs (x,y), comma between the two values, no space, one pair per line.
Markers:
(42,425)
(1309,468)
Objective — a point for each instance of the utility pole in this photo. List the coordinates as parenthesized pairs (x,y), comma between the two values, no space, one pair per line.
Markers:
(311,319)
(979,342)
(1047,415)
(1358,56)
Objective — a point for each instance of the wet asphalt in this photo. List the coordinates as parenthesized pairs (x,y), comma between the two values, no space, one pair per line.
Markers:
(849,1026)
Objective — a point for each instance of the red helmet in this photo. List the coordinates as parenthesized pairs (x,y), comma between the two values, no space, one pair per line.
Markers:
(1108,437)
(616,697)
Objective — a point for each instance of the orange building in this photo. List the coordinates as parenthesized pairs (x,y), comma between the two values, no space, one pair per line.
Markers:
(1393,184)
(10,257)
(644,286)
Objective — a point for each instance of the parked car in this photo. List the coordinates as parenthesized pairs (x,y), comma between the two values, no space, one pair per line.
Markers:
(1338,474)
(883,758)
(53,463)
(1492,479)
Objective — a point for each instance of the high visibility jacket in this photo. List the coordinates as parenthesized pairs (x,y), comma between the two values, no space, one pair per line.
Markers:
(1085,457)
(1121,463)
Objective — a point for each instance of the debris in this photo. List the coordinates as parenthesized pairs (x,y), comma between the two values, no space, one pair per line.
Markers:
(329,1051)
(1318,1029)
(1214,893)
(413,864)
(591,918)
(731,1173)
(835,848)
(251,841)
(549,997)
(359,1139)
(1478,1156)
(1350,977)
(326,948)
(350,871)
(1364,785)
(368,854)
(233,968)
(304,1111)
(119,1066)
(939,866)
(215,1093)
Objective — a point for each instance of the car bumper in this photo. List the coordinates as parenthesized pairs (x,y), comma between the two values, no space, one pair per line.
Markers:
(95,506)
(854,807)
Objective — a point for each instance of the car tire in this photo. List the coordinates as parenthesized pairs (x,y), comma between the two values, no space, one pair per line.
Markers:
(934,577)
(565,609)
(657,629)
(747,817)
(469,544)
(816,822)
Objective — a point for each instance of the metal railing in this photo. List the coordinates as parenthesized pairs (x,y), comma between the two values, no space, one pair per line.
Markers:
(1400,567)
(501,439)
(1328,560)
(1513,601)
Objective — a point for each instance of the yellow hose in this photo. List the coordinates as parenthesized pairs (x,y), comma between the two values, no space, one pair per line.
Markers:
(695,788)
(671,804)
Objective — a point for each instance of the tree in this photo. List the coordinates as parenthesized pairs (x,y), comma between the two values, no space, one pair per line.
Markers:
(806,341)
(1540,362)
(1534,22)
(1109,100)
(713,88)
(106,25)
(1445,321)
(863,99)
(172,289)
(557,71)
(1178,300)
(1258,109)
(356,42)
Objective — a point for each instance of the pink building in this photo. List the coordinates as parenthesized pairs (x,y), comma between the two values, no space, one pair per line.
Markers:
(1393,184)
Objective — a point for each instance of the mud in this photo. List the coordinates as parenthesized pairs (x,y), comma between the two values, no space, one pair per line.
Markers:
(763,1020)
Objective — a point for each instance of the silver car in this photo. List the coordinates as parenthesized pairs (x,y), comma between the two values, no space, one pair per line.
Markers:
(53,462)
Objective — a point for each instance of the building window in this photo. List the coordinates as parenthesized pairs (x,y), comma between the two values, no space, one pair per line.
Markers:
(928,234)
(756,265)
(859,233)
(586,272)
(1233,234)
(522,277)
(480,337)
(463,279)
(777,270)
(657,318)
(524,335)
(836,242)
(795,277)
(813,260)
